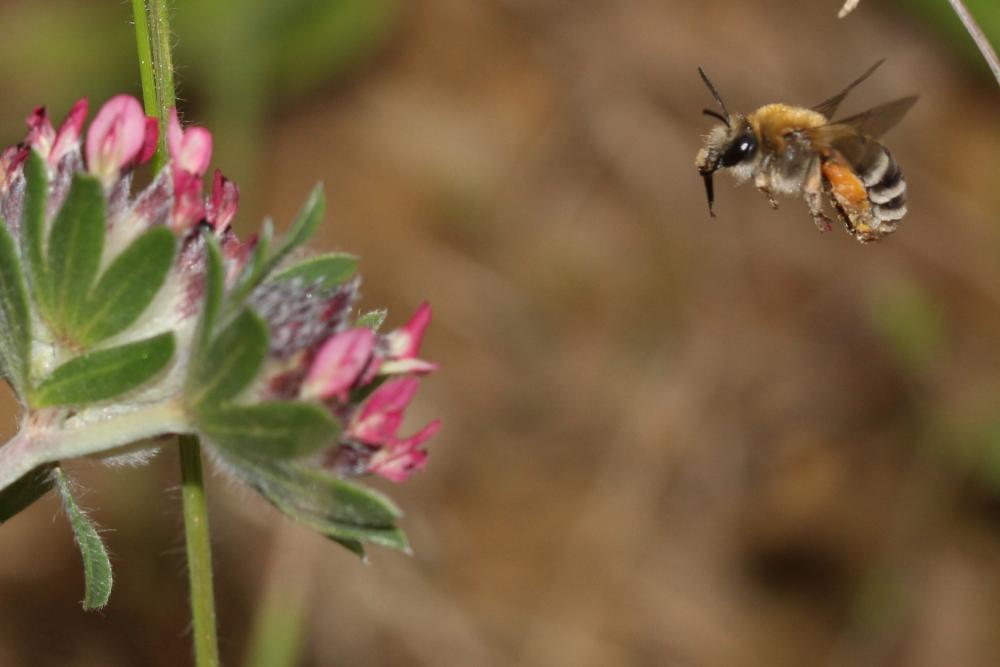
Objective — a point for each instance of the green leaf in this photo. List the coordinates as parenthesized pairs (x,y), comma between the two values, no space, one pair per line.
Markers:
(302,229)
(25,491)
(323,271)
(103,374)
(231,362)
(127,287)
(36,197)
(15,319)
(96,565)
(253,272)
(372,319)
(278,430)
(75,245)
(345,512)
(211,302)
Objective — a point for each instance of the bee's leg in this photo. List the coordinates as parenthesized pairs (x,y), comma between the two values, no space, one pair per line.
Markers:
(812,189)
(763,183)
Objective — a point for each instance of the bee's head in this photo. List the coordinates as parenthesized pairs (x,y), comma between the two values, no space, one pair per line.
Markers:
(727,145)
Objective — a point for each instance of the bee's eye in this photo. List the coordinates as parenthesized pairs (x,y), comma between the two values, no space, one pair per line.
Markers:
(742,148)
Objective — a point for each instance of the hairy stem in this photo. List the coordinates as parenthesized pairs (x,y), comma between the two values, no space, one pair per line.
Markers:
(199,553)
(157,74)
(156,67)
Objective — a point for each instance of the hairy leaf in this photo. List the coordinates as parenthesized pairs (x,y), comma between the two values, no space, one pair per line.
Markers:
(345,512)
(104,374)
(74,250)
(302,229)
(278,430)
(96,565)
(127,287)
(231,361)
(15,319)
(36,197)
(323,271)
(372,319)
(211,302)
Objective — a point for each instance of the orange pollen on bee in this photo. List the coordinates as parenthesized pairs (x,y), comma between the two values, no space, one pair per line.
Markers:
(847,187)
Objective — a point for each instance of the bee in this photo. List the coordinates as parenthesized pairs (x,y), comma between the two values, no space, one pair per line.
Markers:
(790,150)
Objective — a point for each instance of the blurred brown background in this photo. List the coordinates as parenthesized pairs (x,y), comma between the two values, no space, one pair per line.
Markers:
(669,440)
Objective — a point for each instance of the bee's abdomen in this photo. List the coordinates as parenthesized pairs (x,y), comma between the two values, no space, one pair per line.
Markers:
(885,185)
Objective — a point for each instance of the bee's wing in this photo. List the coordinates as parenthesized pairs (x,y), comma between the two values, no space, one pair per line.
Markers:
(855,137)
(829,107)
(877,121)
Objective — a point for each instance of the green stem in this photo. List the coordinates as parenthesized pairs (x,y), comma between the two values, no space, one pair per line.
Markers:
(156,67)
(152,33)
(199,553)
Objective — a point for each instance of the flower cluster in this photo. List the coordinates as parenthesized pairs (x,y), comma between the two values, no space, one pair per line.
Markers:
(125,317)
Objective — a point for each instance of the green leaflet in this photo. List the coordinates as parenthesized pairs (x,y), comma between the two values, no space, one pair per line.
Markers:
(96,565)
(36,196)
(345,512)
(372,319)
(302,229)
(74,249)
(253,272)
(231,362)
(327,270)
(211,303)
(126,288)
(278,430)
(25,491)
(15,319)
(104,374)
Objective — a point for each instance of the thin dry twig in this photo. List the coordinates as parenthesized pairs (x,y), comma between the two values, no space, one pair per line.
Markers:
(970,25)
(847,8)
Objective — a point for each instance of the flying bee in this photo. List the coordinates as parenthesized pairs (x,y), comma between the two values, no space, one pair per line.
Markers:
(791,150)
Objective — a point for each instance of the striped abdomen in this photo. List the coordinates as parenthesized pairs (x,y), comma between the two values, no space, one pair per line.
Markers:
(885,185)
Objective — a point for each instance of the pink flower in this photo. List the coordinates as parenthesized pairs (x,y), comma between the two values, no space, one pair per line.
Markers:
(398,458)
(379,421)
(338,364)
(382,414)
(224,203)
(191,149)
(119,136)
(403,345)
(189,206)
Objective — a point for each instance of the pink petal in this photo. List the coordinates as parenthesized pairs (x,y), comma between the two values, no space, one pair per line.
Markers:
(40,131)
(69,132)
(225,202)
(382,414)
(191,149)
(400,458)
(115,137)
(152,137)
(405,341)
(189,207)
(339,362)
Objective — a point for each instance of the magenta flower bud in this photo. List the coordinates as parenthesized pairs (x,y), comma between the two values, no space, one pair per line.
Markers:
(224,203)
(118,137)
(41,134)
(338,364)
(191,149)
(382,414)
(404,343)
(68,136)
(189,207)
(398,458)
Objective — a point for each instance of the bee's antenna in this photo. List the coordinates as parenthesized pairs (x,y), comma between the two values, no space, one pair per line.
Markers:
(715,94)
(716,114)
